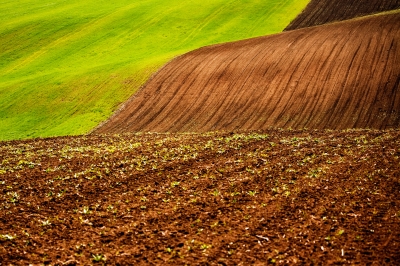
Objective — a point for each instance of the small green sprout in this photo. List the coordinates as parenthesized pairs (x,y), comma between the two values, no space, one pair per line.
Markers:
(252,193)
(14,197)
(251,171)
(7,237)
(169,250)
(215,193)
(98,257)
(175,183)
(341,231)
(205,246)
(61,193)
(46,223)
(85,210)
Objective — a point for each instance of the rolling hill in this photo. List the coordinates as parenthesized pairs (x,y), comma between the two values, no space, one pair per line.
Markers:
(320,12)
(334,76)
(67,65)
(258,197)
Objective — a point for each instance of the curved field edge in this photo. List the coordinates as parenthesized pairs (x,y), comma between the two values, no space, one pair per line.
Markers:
(67,65)
(276,196)
(320,12)
(341,75)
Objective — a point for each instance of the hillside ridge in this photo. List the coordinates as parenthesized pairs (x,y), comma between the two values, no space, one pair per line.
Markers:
(319,12)
(65,66)
(334,76)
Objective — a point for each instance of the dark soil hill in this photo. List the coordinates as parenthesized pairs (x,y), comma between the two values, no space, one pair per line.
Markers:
(336,76)
(320,12)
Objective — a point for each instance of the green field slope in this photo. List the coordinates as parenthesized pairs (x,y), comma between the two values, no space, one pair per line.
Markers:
(65,65)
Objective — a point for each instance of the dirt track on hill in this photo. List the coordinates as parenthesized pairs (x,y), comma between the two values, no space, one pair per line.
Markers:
(320,12)
(336,76)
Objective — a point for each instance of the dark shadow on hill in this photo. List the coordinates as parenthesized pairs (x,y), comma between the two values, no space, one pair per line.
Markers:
(320,12)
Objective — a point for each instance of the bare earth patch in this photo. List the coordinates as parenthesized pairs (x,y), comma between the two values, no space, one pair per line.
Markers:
(320,12)
(335,76)
(277,196)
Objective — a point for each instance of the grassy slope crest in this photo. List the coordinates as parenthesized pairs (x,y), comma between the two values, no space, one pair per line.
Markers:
(67,65)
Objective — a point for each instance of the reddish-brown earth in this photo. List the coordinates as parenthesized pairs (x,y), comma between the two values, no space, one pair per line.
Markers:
(247,198)
(335,76)
(278,197)
(320,12)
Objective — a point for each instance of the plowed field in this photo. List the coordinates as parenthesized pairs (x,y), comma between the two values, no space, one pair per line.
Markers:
(250,198)
(336,76)
(320,12)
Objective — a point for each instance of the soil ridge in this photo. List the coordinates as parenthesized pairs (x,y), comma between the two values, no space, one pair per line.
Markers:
(335,76)
(319,12)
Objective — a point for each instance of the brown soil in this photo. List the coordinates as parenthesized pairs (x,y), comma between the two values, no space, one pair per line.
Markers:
(279,197)
(336,76)
(320,12)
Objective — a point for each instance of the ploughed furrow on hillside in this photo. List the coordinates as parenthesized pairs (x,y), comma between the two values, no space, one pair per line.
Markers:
(335,76)
(320,12)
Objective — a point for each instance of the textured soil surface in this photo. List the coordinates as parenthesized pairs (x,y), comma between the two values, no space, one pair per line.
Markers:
(335,76)
(320,12)
(278,197)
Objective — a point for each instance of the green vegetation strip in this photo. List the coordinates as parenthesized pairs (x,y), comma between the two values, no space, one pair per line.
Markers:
(65,66)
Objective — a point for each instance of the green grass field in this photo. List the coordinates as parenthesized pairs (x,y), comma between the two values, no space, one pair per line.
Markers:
(65,66)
